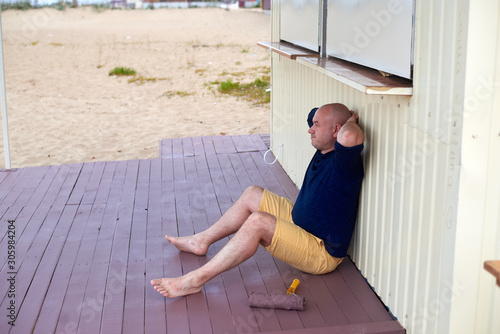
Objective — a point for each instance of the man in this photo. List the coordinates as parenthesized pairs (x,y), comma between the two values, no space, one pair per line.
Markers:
(313,235)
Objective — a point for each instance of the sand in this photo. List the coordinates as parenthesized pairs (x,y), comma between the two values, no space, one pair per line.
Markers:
(63,107)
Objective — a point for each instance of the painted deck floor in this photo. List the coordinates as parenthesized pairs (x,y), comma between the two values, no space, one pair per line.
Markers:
(89,238)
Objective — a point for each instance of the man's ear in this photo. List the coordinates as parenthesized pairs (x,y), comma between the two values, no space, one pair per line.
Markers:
(336,130)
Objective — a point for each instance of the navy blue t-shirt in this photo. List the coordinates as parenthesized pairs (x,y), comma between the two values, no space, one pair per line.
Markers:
(328,200)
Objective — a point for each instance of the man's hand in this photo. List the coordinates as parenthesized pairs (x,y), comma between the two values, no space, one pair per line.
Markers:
(351,134)
(354,117)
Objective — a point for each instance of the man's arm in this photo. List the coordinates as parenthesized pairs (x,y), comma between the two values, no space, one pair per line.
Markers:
(351,134)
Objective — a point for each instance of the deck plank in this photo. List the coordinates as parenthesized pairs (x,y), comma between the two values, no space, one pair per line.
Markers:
(198,302)
(229,144)
(259,143)
(80,186)
(51,209)
(266,138)
(16,198)
(38,262)
(175,309)
(208,145)
(363,292)
(155,314)
(52,253)
(19,206)
(91,237)
(106,182)
(10,184)
(177,150)
(36,222)
(4,173)
(246,144)
(54,295)
(166,148)
(187,147)
(261,319)
(90,317)
(385,327)
(94,183)
(350,305)
(112,318)
(233,279)
(239,144)
(74,276)
(32,217)
(75,312)
(189,262)
(136,267)
(248,174)
(286,183)
(198,147)
(218,304)
(271,182)
(219,145)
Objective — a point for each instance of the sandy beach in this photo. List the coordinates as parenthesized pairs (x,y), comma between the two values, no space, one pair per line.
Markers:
(64,107)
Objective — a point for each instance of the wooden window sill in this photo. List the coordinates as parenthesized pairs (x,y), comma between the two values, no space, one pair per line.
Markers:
(364,79)
(494,268)
(287,50)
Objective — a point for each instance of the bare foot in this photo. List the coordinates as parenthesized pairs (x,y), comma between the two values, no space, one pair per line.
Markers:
(190,244)
(175,287)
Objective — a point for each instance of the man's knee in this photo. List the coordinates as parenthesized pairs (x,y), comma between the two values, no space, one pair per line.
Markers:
(263,224)
(260,218)
(252,196)
(254,191)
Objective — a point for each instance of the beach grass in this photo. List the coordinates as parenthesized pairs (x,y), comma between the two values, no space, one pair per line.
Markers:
(122,71)
(256,91)
(172,93)
(141,80)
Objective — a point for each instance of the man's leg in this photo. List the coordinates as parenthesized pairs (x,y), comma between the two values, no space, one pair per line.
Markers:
(228,224)
(257,229)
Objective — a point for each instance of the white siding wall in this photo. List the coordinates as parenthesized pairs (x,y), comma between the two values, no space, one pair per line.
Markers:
(478,217)
(430,203)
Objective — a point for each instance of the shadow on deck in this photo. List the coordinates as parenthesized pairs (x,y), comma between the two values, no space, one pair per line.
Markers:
(89,238)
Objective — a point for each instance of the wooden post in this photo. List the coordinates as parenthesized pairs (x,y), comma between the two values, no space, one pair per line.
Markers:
(494,268)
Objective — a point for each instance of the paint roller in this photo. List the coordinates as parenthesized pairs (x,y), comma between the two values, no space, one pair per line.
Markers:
(290,301)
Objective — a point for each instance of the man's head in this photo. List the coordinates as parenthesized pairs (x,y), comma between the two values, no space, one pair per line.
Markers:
(327,122)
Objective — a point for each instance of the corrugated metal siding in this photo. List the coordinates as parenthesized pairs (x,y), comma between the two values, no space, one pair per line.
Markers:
(405,239)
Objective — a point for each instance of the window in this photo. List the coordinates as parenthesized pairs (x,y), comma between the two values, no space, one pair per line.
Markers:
(372,33)
(299,23)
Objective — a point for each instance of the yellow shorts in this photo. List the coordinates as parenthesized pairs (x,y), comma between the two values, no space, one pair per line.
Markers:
(291,243)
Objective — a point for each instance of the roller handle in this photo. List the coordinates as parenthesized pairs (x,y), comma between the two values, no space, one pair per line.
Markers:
(291,289)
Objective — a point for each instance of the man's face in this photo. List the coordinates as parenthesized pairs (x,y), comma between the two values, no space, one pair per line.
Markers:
(323,131)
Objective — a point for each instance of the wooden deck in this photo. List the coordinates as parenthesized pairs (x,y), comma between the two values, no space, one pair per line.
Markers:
(89,238)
